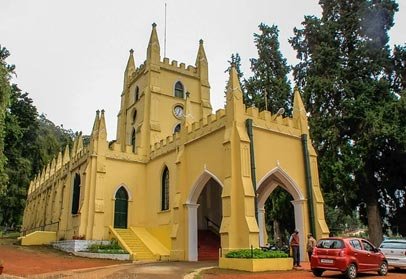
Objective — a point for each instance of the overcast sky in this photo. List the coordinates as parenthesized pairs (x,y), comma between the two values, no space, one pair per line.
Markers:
(71,55)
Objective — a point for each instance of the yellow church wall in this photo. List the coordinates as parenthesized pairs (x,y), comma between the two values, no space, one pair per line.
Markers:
(288,155)
(162,233)
(130,175)
(215,147)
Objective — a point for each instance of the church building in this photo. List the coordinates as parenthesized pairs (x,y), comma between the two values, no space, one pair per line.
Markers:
(180,180)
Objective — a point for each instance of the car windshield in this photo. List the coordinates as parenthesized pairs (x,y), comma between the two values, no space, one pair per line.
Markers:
(393,245)
(330,244)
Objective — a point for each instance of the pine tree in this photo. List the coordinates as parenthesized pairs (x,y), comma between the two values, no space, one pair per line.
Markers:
(268,88)
(346,76)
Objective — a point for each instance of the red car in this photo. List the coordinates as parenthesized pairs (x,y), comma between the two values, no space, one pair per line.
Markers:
(348,255)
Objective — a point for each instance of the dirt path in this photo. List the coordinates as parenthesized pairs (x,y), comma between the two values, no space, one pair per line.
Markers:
(29,260)
(44,262)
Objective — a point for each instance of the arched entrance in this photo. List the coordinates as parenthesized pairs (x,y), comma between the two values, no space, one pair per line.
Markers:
(121,208)
(271,181)
(204,218)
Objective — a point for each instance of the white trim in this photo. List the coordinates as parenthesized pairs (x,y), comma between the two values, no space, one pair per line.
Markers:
(191,205)
(199,184)
(126,188)
(278,177)
(288,183)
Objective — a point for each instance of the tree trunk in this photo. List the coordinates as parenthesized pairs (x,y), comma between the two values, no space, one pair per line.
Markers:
(277,233)
(374,223)
(373,213)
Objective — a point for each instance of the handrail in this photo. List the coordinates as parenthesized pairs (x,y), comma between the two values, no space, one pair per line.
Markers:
(214,224)
(42,227)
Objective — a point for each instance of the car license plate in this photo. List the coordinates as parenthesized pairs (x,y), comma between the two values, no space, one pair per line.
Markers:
(326,261)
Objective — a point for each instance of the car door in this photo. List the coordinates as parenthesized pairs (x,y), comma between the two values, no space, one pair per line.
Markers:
(372,258)
(359,254)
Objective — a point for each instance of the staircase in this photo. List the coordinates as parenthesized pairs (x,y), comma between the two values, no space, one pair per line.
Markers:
(134,245)
(208,245)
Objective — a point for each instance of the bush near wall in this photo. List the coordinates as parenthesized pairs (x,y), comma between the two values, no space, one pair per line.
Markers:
(256,254)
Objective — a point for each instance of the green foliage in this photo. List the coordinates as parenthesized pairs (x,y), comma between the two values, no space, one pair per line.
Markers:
(5,90)
(255,254)
(352,88)
(112,248)
(31,141)
(235,60)
(279,215)
(268,88)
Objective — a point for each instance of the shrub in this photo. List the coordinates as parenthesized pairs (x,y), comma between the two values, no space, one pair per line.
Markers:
(255,254)
(112,248)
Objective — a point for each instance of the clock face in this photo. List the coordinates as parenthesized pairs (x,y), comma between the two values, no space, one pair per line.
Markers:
(178,111)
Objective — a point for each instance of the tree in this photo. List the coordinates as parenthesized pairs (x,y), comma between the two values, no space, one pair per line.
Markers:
(20,147)
(270,70)
(31,141)
(280,215)
(6,71)
(346,75)
(235,60)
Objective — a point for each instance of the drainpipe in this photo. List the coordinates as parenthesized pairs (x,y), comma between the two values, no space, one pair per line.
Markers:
(248,124)
(308,184)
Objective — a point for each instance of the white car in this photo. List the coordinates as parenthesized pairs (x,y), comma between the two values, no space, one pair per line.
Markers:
(395,252)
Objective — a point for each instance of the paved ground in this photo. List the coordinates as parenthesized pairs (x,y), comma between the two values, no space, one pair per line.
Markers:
(46,263)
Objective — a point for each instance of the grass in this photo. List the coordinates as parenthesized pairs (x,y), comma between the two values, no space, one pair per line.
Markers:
(13,235)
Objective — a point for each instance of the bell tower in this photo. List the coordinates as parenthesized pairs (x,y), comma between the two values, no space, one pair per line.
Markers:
(153,100)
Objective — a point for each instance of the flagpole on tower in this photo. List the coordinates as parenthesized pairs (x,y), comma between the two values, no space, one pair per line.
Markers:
(165,34)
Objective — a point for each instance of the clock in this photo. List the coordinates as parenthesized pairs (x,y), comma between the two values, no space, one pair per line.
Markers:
(178,111)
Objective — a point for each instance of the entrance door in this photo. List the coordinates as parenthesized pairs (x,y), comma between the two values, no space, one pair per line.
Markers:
(121,209)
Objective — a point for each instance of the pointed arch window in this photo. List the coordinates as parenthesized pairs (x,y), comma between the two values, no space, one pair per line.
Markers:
(165,189)
(134,116)
(136,94)
(76,194)
(133,136)
(179,90)
(177,128)
(121,208)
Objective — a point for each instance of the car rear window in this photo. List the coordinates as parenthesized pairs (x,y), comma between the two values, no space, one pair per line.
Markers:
(330,244)
(393,245)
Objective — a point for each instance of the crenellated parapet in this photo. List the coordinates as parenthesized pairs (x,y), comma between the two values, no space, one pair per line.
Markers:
(181,68)
(168,65)
(195,130)
(206,126)
(274,122)
(58,167)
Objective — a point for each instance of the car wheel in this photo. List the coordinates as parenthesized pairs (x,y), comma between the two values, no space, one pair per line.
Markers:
(351,271)
(383,269)
(317,272)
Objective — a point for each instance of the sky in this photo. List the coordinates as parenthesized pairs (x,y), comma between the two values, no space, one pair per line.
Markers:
(70,56)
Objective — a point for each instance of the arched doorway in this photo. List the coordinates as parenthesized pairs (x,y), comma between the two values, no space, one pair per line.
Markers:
(204,218)
(121,208)
(279,179)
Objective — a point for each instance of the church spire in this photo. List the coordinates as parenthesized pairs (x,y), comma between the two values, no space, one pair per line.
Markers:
(130,69)
(96,124)
(102,126)
(154,50)
(201,55)
(299,111)
(234,104)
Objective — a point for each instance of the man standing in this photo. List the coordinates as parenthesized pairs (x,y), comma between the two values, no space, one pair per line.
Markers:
(294,244)
(311,243)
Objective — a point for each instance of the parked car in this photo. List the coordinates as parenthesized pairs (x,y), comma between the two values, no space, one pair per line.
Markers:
(395,252)
(347,255)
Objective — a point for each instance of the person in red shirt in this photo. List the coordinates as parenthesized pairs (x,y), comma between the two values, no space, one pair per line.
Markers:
(294,244)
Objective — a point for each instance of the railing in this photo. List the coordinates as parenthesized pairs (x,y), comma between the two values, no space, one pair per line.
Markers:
(212,226)
(41,228)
